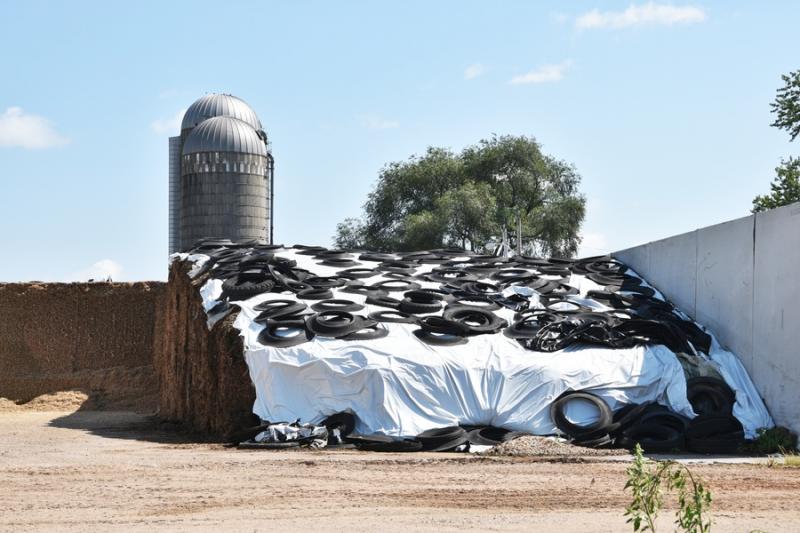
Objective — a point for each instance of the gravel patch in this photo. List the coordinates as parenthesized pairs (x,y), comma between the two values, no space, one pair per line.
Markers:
(547,447)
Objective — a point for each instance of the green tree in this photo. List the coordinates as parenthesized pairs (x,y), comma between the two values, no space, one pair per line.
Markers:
(472,199)
(349,233)
(785,188)
(787,105)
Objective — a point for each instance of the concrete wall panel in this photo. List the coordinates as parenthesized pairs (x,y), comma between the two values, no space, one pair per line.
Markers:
(747,289)
(725,283)
(674,269)
(775,364)
(638,258)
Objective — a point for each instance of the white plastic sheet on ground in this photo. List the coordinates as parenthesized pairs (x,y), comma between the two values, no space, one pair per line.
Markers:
(398,385)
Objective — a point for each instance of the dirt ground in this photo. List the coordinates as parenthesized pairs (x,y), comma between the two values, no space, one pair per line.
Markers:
(94,470)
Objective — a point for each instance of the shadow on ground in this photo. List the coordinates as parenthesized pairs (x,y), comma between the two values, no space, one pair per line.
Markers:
(124,424)
(128,425)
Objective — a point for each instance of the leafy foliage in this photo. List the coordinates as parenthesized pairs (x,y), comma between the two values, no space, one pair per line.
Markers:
(773,440)
(785,187)
(787,105)
(645,483)
(469,199)
(349,233)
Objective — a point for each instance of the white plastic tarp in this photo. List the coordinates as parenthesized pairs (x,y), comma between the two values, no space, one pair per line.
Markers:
(399,385)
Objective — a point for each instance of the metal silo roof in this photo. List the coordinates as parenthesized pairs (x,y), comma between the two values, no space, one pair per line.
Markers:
(224,134)
(219,105)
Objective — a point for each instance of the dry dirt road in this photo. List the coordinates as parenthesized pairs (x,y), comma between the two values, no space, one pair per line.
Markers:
(100,471)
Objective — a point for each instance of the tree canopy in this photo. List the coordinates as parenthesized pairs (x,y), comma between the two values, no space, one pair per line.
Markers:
(785,188)
(469,199)
(787,105)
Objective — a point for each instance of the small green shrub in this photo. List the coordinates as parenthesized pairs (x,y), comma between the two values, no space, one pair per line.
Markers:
(645,482)
(773,440)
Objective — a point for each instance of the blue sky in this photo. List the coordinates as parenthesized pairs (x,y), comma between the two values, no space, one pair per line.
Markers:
(662,107)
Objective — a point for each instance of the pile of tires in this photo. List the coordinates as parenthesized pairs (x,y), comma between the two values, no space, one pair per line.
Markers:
(654,427)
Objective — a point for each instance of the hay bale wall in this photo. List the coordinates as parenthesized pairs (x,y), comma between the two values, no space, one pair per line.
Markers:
(203,379)
(93,337)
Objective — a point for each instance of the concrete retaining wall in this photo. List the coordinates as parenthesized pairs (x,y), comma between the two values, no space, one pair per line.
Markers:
(742,280)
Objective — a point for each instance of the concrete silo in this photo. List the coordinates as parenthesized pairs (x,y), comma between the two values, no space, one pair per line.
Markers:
(221,174)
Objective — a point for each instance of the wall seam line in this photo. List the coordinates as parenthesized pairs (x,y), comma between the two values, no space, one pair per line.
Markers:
(753,295)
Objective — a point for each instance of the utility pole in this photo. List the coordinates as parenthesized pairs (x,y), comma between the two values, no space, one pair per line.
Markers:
(505,246)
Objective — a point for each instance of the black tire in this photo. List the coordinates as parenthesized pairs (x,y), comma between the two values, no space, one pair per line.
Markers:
(337,304)
(275,309)
(627,416)
(439,339)
(315,294)
(479,287)
(325,282)
(381,299)
(656,438)
(269,335)
(358,273)
(332,254)
(487,436)
(509,274)
(377,258)
(441,325)
(336,324)
(344,421)
(442,439)
(446,275)
(387,445)
(419,308)
(236,289)
(308,250)
(371,331)
(477,320)
(603,441)
(475,300)
(392,316)
(710,396)
(396,285)
(707,426)
(339,262)
(666,418)
(425,295)
(574,430)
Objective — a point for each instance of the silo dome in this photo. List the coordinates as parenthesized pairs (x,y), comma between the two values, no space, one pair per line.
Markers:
(224,134)
(219,105)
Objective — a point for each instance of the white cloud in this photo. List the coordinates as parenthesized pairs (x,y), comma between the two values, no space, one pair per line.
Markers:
(375,122)
(647,14)
(593,244)
(23,130)
(168,125)
(543,74)
(99,271)
(473,71)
